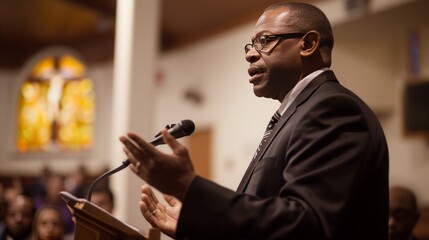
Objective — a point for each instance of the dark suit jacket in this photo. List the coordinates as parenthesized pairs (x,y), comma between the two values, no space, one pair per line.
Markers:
(323,174)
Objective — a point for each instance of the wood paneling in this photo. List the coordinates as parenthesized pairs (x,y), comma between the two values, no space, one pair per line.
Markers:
(200,148)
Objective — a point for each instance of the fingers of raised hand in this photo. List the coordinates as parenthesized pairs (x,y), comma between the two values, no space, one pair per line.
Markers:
(145,147)
(135,154)
(130,149)
(177,148)
(149,198)
(150,205)
(147,190)
(172,201)
(147,214)
(137,169)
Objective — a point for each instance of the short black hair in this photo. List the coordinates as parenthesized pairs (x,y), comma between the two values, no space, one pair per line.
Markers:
(307,17)
(409,194)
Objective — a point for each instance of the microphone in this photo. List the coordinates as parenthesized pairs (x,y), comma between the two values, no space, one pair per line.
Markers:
(184,128)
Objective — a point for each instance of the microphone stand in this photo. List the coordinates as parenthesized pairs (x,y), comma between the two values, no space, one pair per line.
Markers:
(105,175)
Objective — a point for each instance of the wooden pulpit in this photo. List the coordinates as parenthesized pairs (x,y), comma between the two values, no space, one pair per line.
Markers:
(94,223)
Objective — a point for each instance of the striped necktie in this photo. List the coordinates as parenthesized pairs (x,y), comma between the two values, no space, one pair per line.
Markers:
(274,119)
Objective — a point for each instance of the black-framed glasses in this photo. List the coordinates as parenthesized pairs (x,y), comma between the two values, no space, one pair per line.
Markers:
(266,43)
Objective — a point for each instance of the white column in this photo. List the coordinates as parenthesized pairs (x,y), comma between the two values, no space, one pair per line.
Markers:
(136,51)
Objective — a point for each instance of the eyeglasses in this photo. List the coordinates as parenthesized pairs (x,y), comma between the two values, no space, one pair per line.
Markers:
(269,41)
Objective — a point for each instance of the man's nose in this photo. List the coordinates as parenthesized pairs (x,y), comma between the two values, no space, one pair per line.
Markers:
(252,55)
(18,217)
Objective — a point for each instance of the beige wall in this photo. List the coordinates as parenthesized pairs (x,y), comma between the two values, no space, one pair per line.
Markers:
(372,59)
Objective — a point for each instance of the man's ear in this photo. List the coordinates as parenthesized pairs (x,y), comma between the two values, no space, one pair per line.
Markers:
(311,43)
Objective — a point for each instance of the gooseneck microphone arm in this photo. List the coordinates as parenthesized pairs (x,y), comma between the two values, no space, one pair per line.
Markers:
(105,175)
(182,129)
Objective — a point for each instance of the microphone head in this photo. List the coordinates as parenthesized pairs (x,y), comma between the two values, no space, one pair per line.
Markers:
(188,126)
(182,129)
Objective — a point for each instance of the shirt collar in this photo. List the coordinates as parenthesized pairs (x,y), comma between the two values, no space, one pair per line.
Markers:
(291,96)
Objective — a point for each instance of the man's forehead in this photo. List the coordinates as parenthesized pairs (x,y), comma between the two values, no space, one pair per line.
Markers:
(273,20)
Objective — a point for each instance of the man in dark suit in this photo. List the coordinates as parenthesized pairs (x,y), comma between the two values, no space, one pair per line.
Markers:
(321,170)
(19,214)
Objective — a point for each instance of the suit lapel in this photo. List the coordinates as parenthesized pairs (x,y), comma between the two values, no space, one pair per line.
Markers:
(264,147)
(302,97)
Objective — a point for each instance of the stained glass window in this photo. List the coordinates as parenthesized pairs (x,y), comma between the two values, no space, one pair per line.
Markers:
(56,107)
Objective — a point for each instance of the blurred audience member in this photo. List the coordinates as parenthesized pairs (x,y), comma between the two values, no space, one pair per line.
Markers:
(55,184)
(103,197)
(38,188)
(76,183)
(48,224)
(403,213)
(19,214)
(14,190)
